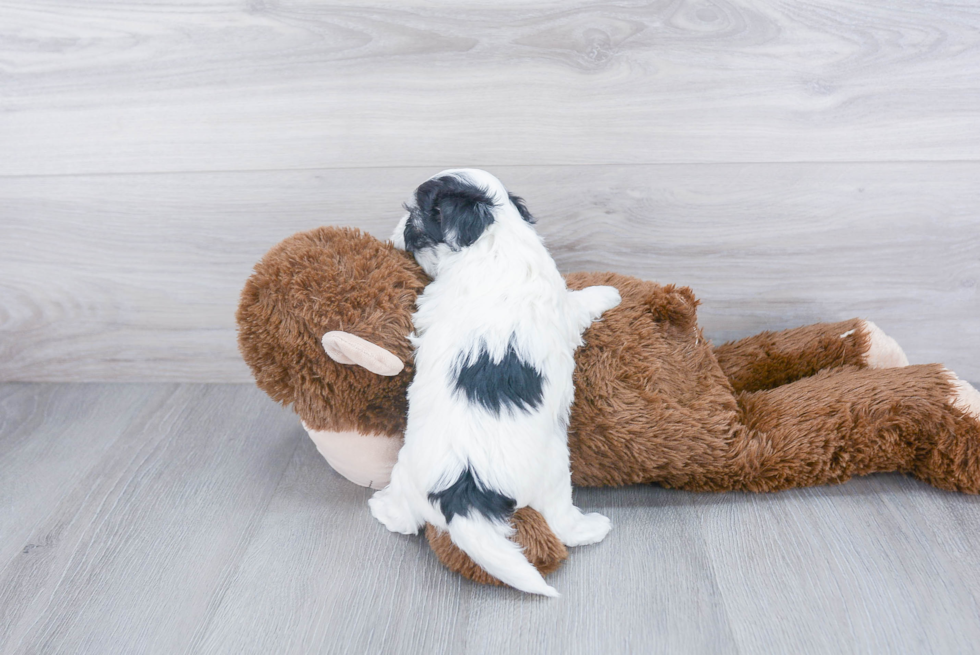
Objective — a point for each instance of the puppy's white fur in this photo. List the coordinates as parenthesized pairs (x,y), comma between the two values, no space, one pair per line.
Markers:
(501,291)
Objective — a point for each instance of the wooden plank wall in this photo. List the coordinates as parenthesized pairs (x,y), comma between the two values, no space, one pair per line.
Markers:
(791,161)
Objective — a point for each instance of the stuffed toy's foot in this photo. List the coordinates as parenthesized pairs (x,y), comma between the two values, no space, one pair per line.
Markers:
(883,351)
(954,462)
(966,398)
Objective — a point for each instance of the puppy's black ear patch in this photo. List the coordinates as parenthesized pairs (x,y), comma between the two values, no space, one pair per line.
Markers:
(468,493)
(518,202)
(459,210)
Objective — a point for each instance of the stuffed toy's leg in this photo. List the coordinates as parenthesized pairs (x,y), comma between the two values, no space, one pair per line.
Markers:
(849,421)
(823,429)
(771,359)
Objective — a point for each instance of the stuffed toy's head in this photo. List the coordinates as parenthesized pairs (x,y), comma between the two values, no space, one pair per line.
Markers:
(323,324)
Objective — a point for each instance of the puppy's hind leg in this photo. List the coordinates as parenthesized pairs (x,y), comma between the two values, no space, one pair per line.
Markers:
(393,507)
(569,523)
(575,528)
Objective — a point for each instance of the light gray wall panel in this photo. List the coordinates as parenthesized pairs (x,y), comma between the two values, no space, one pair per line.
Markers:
(103,86)
(151,153)
(124,277)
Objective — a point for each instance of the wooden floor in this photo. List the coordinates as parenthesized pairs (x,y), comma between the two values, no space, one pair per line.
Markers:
(181,518)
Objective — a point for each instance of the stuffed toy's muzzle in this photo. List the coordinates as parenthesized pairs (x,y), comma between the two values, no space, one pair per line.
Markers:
(364,459)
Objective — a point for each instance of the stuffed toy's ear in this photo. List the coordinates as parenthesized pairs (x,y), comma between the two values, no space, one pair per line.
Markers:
(346,348)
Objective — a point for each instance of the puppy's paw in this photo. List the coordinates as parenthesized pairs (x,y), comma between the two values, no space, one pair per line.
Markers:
(588,529)
(393,512)
(604,299)
(597,300)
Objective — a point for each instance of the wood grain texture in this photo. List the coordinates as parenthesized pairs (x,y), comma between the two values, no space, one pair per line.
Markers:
(862,562)
(139,553)
(211,525)
(136,277)
(42,457)
(104,87)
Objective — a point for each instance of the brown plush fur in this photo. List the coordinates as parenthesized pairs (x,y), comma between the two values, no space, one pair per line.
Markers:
(316,282)
(851,421)
(651,402)
(771,359)
(654,402)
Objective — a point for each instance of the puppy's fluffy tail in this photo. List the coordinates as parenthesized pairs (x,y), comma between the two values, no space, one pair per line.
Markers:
(486,542)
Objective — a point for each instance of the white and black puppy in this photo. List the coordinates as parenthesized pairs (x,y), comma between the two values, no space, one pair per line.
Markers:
(496,332)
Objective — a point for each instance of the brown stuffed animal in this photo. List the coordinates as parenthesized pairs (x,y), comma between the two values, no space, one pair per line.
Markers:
(323,324)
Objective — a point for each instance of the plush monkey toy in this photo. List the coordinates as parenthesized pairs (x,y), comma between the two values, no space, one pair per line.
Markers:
(324,323)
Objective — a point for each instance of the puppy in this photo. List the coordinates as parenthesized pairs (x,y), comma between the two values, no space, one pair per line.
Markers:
(495,334)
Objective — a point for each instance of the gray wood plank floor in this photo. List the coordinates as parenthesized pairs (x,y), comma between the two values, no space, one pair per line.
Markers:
(176,518)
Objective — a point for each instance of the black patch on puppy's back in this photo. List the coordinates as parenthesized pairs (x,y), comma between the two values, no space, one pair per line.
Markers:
(511,382)
(468,493)
(449,210)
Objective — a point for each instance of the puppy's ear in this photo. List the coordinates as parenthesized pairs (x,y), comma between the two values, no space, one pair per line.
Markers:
(465,216)
(518,202)
(462,210)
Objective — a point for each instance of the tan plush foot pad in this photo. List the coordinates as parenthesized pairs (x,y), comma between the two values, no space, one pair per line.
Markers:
(966,398)
(883,351)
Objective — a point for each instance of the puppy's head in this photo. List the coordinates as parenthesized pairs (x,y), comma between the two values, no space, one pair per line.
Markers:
(451,211)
